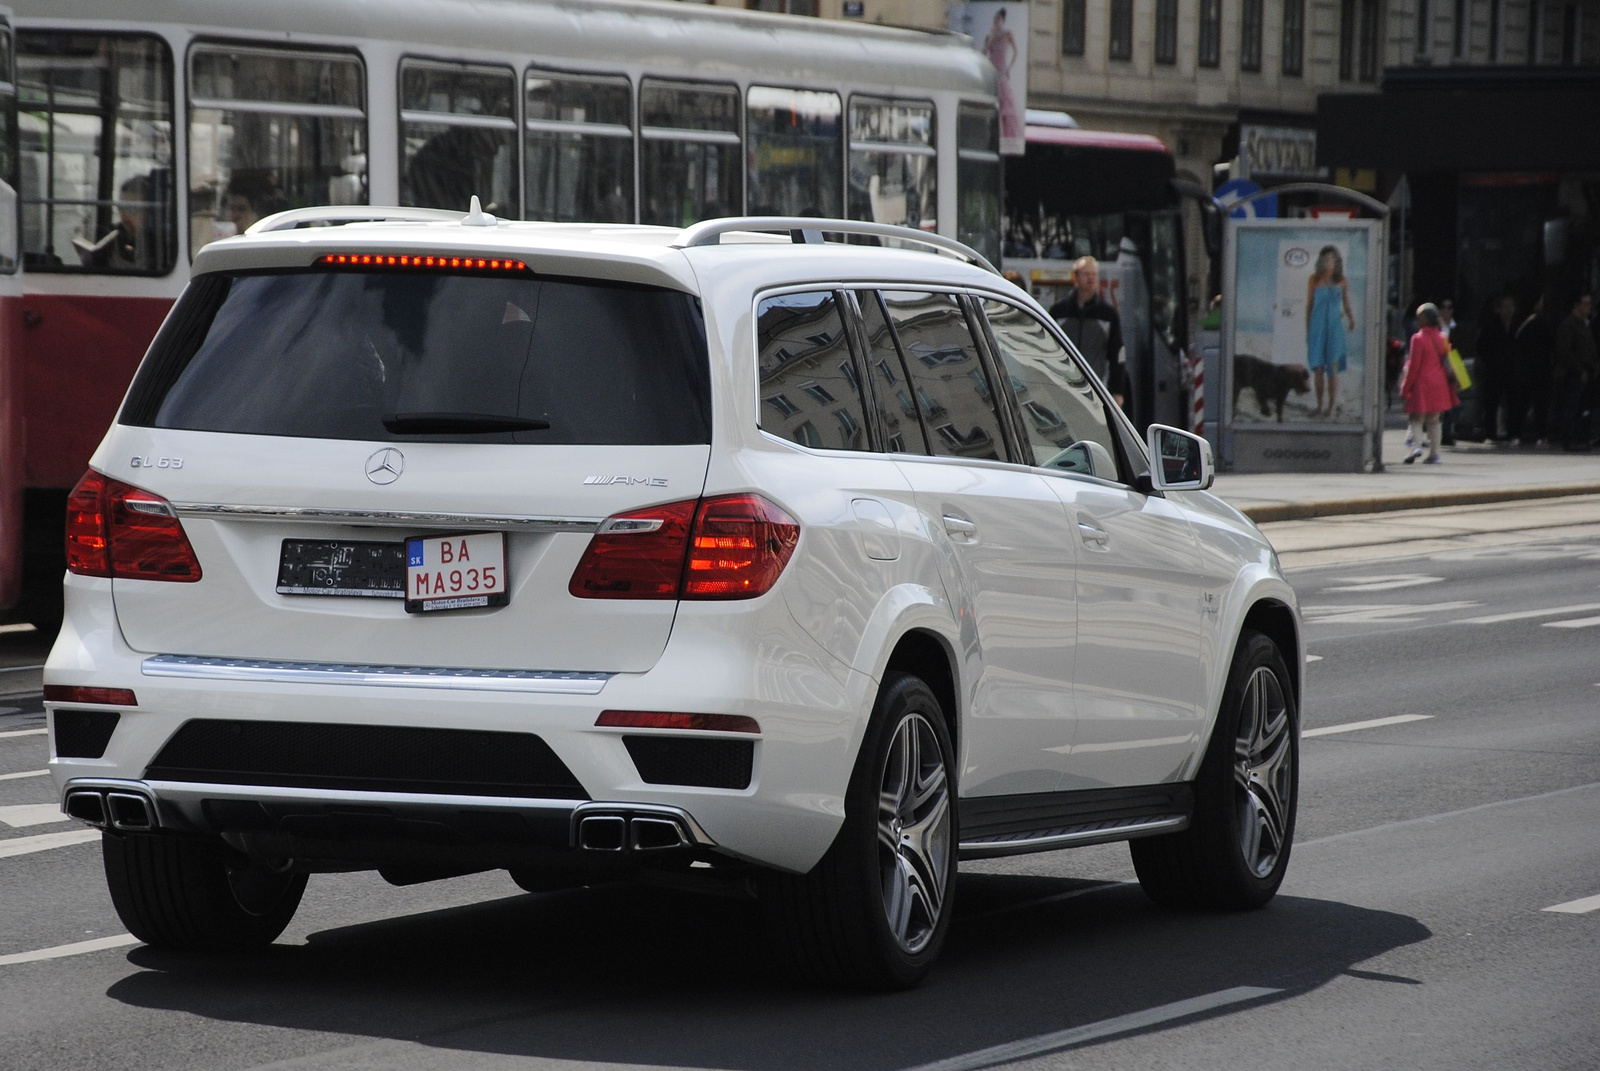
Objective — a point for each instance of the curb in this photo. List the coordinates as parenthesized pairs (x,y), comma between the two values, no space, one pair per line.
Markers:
(1339,507)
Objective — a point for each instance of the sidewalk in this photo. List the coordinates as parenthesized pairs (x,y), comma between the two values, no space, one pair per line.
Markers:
(1470,473)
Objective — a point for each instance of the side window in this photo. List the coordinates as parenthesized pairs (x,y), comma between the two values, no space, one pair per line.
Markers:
(810,389)
(95,117)
(9,251)
(795,152)
(1063,418)
(892,161)
(458,136)
(897,412)
(579,147)
(271,129)
(941,357)
(689,159)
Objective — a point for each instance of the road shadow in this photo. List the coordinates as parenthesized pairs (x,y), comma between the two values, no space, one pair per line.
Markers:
(626,975)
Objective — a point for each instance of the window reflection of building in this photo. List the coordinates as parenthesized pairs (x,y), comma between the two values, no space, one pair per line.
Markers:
(940,357)
(809,391)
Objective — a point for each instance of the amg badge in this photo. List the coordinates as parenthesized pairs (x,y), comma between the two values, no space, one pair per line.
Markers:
(641,481)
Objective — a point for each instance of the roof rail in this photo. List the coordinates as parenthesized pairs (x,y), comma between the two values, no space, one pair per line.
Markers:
(809,229)
(333,215)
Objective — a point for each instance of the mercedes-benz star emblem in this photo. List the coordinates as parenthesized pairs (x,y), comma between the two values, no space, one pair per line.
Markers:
(386,465)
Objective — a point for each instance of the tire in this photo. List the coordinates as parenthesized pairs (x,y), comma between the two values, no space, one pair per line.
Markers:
(874,912)
(196,894)
(1236,850)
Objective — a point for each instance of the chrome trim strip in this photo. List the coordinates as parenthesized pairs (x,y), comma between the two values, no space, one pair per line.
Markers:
(555,682)
(1099,833)
(315,515)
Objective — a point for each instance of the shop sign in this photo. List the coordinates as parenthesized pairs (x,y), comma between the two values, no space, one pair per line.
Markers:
(1284,151)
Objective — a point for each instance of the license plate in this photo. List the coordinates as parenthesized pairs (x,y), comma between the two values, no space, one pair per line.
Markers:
(342,567)
(456,572)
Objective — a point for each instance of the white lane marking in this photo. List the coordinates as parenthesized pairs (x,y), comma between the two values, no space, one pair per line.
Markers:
(20,669)
(1524,615)
(1577,907)
(1581,622)
(23,732)
(24,773)
(1313,658)
(45,841)
(1352,726)
(20,626)
(77,948)
(1379,612)
(1384,583)
(1013,1051)
(31,814)
(1428,819)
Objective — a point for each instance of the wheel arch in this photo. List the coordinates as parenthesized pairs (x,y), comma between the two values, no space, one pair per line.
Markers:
(1277,621)
(928,656)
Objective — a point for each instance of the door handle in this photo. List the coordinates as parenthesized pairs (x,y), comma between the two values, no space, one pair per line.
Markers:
(1094,534)
(960,528)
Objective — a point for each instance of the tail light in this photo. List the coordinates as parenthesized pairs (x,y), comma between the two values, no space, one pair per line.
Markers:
(727,547)
(115,529)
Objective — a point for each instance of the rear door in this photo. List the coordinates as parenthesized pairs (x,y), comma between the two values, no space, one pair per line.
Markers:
(1007,567)
(306,424)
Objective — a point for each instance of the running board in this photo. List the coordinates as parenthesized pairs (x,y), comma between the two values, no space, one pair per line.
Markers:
(1044,821)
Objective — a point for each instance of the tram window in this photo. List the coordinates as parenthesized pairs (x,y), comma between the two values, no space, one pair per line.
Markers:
(796,161)
(940,357)
(1062,417)
(9,251)
(84,210)
(810,392)
(892,168)
(271,129)
(579,147)
(978,178)
(690,164)
(458,136)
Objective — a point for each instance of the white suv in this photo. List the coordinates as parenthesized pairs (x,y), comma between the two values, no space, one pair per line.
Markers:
(435,544)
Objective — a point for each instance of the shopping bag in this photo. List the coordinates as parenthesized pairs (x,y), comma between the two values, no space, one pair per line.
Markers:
(1458,368)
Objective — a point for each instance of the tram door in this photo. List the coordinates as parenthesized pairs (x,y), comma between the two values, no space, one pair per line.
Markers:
(11,430)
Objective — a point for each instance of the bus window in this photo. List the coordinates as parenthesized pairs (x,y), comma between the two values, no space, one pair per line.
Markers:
(458,136)
(580,148)
(796,163)
(892,172)
(690,165)
(8,156)
(82,209)
(978,178)
(271,129)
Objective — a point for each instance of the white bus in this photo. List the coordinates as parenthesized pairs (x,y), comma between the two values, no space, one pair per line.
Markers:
(149,128)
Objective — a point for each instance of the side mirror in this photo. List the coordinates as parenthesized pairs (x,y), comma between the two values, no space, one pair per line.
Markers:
(1179,460)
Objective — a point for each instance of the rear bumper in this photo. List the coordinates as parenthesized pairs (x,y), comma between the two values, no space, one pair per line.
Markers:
(812,711)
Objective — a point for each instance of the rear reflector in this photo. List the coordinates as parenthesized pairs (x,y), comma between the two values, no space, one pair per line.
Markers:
(657,719)
(74,693)
(726,547)
(116,529)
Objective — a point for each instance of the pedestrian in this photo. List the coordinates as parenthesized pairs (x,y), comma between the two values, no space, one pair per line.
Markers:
(1327,313)
(1094,327)
(1493,367)
(1447,328)
(1530,376)
(1574,370)
(1426,385)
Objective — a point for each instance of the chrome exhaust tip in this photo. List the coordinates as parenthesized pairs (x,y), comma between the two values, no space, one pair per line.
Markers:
(603,833)
(655,834)
(130,812)
(87,807)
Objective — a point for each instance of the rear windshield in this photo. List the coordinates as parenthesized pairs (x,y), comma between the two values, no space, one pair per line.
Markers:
(425,357)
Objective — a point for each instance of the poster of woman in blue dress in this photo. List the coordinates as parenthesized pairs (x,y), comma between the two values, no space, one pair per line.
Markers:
(1328,318)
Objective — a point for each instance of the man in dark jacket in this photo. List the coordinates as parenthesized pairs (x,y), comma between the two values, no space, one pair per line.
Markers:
(1493,367)
(1530,375)
(1575,368)
(1094,327)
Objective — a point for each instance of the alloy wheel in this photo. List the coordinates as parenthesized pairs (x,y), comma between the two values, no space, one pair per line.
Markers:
(1263,772)
(914,832)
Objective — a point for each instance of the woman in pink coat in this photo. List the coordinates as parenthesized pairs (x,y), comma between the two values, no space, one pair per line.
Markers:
(1426,383)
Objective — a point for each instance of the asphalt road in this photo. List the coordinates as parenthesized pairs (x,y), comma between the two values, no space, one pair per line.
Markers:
(1413,931)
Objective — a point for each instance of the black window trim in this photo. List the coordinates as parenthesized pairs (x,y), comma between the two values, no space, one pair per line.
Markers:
(179,232)
(263,45)
(453,119)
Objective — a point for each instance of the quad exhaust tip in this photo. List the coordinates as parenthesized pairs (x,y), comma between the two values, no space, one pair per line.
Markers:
(624,832)
(127,811)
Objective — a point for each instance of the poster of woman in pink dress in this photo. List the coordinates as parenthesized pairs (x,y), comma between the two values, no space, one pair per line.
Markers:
(1000,31)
